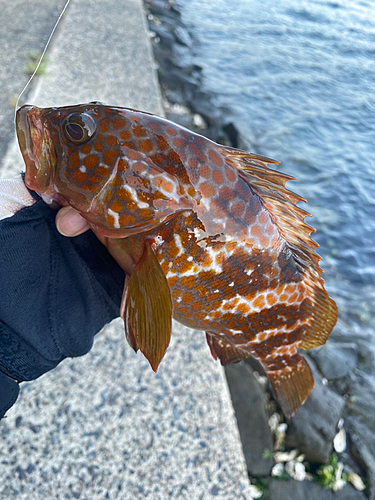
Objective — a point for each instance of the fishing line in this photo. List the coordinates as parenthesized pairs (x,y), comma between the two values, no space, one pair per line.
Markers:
(40,59)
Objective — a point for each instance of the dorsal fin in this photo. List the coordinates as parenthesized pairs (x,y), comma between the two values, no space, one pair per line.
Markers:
(281,204)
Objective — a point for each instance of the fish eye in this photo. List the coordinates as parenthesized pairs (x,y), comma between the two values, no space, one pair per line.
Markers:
(79,127)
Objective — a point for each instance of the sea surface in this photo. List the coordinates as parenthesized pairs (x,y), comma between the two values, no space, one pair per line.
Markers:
(299,79)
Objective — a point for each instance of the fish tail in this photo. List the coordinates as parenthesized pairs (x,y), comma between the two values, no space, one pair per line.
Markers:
(291,380)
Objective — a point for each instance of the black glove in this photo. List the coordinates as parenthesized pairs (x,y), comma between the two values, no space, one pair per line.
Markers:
(56,292)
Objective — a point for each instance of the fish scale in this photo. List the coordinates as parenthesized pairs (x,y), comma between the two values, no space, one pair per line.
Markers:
(206,233)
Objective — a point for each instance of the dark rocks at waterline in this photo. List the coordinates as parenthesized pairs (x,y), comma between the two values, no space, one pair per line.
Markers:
(361,426)
(248,398)
(314,427)
(306,490)
(181,78)
(335,359)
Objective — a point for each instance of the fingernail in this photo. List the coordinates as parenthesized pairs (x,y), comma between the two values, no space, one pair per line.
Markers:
(71,223)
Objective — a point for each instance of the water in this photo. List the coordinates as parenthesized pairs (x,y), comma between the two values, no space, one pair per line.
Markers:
(299,77)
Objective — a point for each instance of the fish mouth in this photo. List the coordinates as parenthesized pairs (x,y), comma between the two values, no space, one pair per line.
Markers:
(36,147)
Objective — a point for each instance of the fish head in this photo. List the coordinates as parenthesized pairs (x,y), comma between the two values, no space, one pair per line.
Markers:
(106,162)
(48,137)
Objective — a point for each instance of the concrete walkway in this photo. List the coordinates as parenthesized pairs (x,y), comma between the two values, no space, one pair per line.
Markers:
(104,426)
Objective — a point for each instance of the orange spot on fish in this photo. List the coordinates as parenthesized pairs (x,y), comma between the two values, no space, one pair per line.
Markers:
(129,145)
(118,123)
(171,131)
(191,191)
(104,172)
(91,161)
(271,299)
(125,135)
(109,156)
(74,160)
(116,206)
(231,176)
(85,149)
(154,127)
(111,140)
(139,131)
(174,157)
(188,281)
(215,158)
(90,187)
(193,163)
(79,176)
(207,189)
(179,143)
(259,302)
(124,194)
(162,143)
(217,177)
(98,146)
(173,280)
(104,125)
(145,213)
(110,220)
(205,172)
(187,298)
(145,145)
(227,194)
(263,218)
(122,165)
(238,208)
(126,220)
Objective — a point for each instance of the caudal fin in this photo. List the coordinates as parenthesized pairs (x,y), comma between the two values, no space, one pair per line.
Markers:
(291,381)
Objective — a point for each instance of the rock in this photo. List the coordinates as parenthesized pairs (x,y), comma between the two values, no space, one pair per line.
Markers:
(348,493)
(297,490)
(335,359)
(306,490)
(363,449)
(360,420)
(248,402)
(314,427)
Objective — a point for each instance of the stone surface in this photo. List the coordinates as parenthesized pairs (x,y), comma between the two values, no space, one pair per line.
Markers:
(361,425)
(297,490)
(335,359)
(314,427)
(306,490)
(248,401)
(24,28)
(104,425)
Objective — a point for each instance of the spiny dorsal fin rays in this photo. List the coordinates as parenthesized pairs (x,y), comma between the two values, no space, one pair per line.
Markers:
(289,218)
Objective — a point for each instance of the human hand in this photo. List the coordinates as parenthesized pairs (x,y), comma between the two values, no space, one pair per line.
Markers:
(57,292)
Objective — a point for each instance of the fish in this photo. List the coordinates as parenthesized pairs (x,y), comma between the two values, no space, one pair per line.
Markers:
(207,234)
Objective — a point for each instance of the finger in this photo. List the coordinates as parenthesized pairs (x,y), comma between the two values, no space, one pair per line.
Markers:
(70,223)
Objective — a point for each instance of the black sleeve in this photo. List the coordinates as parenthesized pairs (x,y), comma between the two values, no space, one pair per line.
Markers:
(56,294)
(9,390)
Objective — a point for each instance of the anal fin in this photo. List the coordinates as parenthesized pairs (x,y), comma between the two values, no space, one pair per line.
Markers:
(291,381)
(225,352)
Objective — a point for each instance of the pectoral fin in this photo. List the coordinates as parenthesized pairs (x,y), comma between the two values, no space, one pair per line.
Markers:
(147,308)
